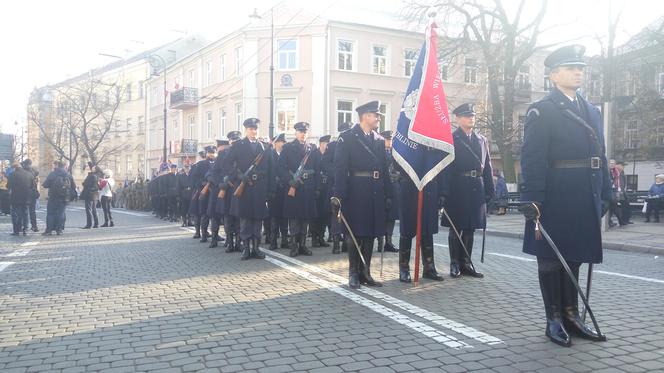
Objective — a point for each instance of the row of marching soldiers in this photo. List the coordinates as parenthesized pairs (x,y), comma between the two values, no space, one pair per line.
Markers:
(286,187)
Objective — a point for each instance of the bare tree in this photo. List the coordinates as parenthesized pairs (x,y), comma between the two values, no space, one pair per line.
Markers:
(506,39)
(80,119)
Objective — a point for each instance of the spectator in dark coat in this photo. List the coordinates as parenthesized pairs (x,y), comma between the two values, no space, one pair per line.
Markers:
(655,198)
(57,198)
(90,195)
(20,193)
(34,194)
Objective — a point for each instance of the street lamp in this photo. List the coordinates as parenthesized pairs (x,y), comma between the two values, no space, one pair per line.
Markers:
(255,15)
(163,64)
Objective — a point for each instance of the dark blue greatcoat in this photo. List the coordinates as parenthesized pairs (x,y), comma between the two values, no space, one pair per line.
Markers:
(183,184)
(324,179)
(252,204)
(394,212)
(571,197)
(335,225)
(215,177)
(466,196)
(303,205)
(197,177)
(408,200)
(362,198)
(276,204)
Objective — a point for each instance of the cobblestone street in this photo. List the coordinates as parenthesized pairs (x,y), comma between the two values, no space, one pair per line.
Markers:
(144,296)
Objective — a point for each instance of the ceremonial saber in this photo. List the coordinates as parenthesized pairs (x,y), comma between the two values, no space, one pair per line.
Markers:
(539,227)
(588,284)
(341,217)
(418,236)
(483,238)
(463,245)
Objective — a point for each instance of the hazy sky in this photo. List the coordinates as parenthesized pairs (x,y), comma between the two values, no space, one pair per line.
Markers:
(48,41)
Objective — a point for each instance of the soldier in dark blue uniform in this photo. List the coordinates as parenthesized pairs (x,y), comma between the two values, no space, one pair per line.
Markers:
(323,210)
(301,186)
(200,199)
(172,192)
(229,183)
(393,213)
(336,230)
(215,179)
(564,172)
(183,185)
(251,206)
(278,224)
(363,186)
(467,188)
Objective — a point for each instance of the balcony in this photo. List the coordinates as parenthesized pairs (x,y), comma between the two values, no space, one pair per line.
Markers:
(523,93)
(184,98)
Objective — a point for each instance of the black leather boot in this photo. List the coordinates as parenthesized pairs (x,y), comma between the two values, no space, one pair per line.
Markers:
(344,244)
(571,318)
(246,250)
(367,252)
(453,244)
(405,245)
(302,245)
(427,260)
(335,244)
(321,241)
(466,268)
(198,228)
(550,287)
(230,245)
(214,242)
(389,246)
(284,242)
(293,244)
(255,250)
(204,230)
(381,244)
(273,242)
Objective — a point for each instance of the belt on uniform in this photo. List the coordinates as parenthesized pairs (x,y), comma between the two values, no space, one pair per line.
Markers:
(371,174)
(323,179)
(592,162)
(472,173)
(306,174)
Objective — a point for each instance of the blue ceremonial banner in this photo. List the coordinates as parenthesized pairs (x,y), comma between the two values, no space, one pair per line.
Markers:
(422,143)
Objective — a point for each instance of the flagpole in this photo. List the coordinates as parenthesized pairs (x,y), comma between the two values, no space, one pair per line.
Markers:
(418,235)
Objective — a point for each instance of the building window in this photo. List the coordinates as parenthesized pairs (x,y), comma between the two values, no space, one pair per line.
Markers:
(192,78)
(192,126)
(208,125)
(222,69)
(442,68)
(208,73)
(238,115)
(523,78)
(470,71)
(238,61)
(345,51)
(287,54)
(141,89)
(631,135)
(344,112)
(129,164)
(285,108)
(519,130)
(548,85)
(141,124)
(222,121)
(659,138)
(379,60)
(383,118)
(128,91)
(410,60)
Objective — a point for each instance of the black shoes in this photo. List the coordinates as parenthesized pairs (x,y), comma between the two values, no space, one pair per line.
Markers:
(455,271)
(404,275)
(353,281)
(105,225)
(47,233)
(468,270)
(557,333)
(572,322)
(369,281)
(86,227)
(430,273)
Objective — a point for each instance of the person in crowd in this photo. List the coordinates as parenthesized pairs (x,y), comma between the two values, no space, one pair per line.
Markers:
(20,193)
(4,194)
(502,195)
(655,198)
(61,187)
(34,194)
(90,195)
(106,185)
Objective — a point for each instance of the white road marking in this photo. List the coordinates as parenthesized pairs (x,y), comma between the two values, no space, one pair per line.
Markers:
(31,243)
(415,310)
(647,279)
(21,252)
(440,245)
(400,318)
(4,265)
(514,257)
(119,211)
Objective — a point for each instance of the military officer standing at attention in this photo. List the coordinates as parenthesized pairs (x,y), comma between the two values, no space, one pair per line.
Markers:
(229,183)
(467,188)
(184,193)
(172,193)
(323,211)
(393,213)
(200,199)
(215,179)
(252,160)
(336,230)
(298,165)
(362,186)
(566,180)
(278,224)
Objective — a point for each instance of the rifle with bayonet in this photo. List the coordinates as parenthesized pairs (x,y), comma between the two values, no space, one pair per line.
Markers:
(245,176)
(297,176)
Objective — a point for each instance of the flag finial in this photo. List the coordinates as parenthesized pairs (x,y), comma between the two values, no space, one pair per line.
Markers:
(431,13)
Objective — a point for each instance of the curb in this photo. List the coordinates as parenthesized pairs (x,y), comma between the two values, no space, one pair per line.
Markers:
(608,245)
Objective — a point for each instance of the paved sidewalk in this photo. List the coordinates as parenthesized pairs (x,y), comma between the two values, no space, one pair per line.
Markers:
(638,237)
